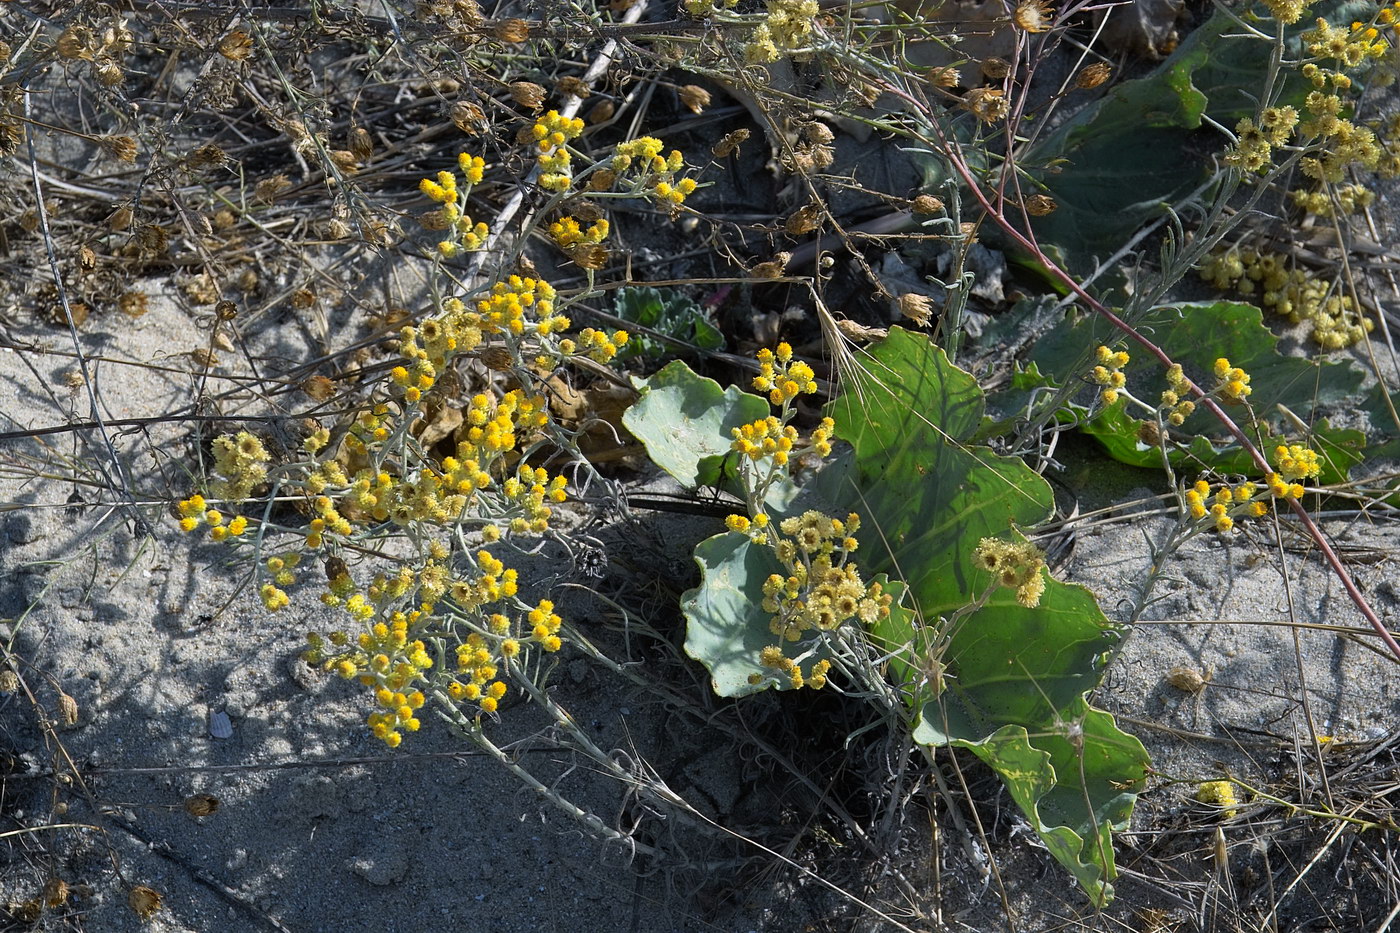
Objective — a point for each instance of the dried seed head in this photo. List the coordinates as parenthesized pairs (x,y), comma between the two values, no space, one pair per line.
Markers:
(204,358)
(121,218)
(227,310)
(318,387)
(602,112)
(207,156)
(108,72)
(1038,205)
(988,104)
(236,46)
(433,220)
(67,709)
(224,219)
(527,94)
(268,189)
(602,179)
(75,42)
(144,901)
(221,341)
(1033,15)
(1091,76)
(152,238)
(573,87)
(9,680)
(859,332)
(511,30)
(4,51)
(123,147)
(805,220)
(695,98)
(917,308)
(589,256)
(27,912)
(773,268)
(996,68)
(1149,433)
(819,133)
(344,159)
(133,304)
(926,204)
(246,280)
(944,76)
(303,298)
(56,892)
(1187,679)
(87,259)
(468,117)
(729,144)
(361,143)
(201,804)
(336,229)
(497,359)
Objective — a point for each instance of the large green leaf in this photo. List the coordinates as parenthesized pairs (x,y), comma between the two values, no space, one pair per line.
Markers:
(684,421)
(1123,160)
(1015,677)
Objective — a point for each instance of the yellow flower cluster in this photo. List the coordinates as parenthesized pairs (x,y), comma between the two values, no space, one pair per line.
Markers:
(1350,47)
(643,155)
(194,511)
(1015,564)
(1348,199)
(782,378)
(773,657)
(821,437)
(1348,144)
(385,658)
(1287,12)
(493,429)
(470,235)
(1289,291)
(528,491)
(1176,398)
(595,344)
(822,589)
(766,437)
(567,233)
(1223,794)
(552,133)
(785,29)
(1108,373)
(1297,462)
(703,8)
(1224,505)
(240,458)
(1254,144)
(1232,382)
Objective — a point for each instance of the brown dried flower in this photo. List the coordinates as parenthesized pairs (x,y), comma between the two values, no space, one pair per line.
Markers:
(729,144)
(944,76)
(201,804)
(75,42)
(468,117)
(773,268)
(236,46)
(917,308)
(133,304)
(144,901)
(227,310)
(318,387)
(1038,205)
(56,892)
(1033,15)
(527,94)
(268,189)
(206,156)
(571,86)
(695,98)
(589,256)
(67,709)
(804,220)
(497,359)
(108,72)
(1091,76)
(361,143)
(123,147)
(511,30)
(601,112)
(988,104)
(926,204)
(996,68)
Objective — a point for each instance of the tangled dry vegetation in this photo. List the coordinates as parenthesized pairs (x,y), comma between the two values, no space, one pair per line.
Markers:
(380,302)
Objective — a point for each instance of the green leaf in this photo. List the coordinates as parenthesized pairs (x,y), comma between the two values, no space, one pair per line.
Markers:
(1141,148)
(1015,677)
(669,313)
(684,421)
